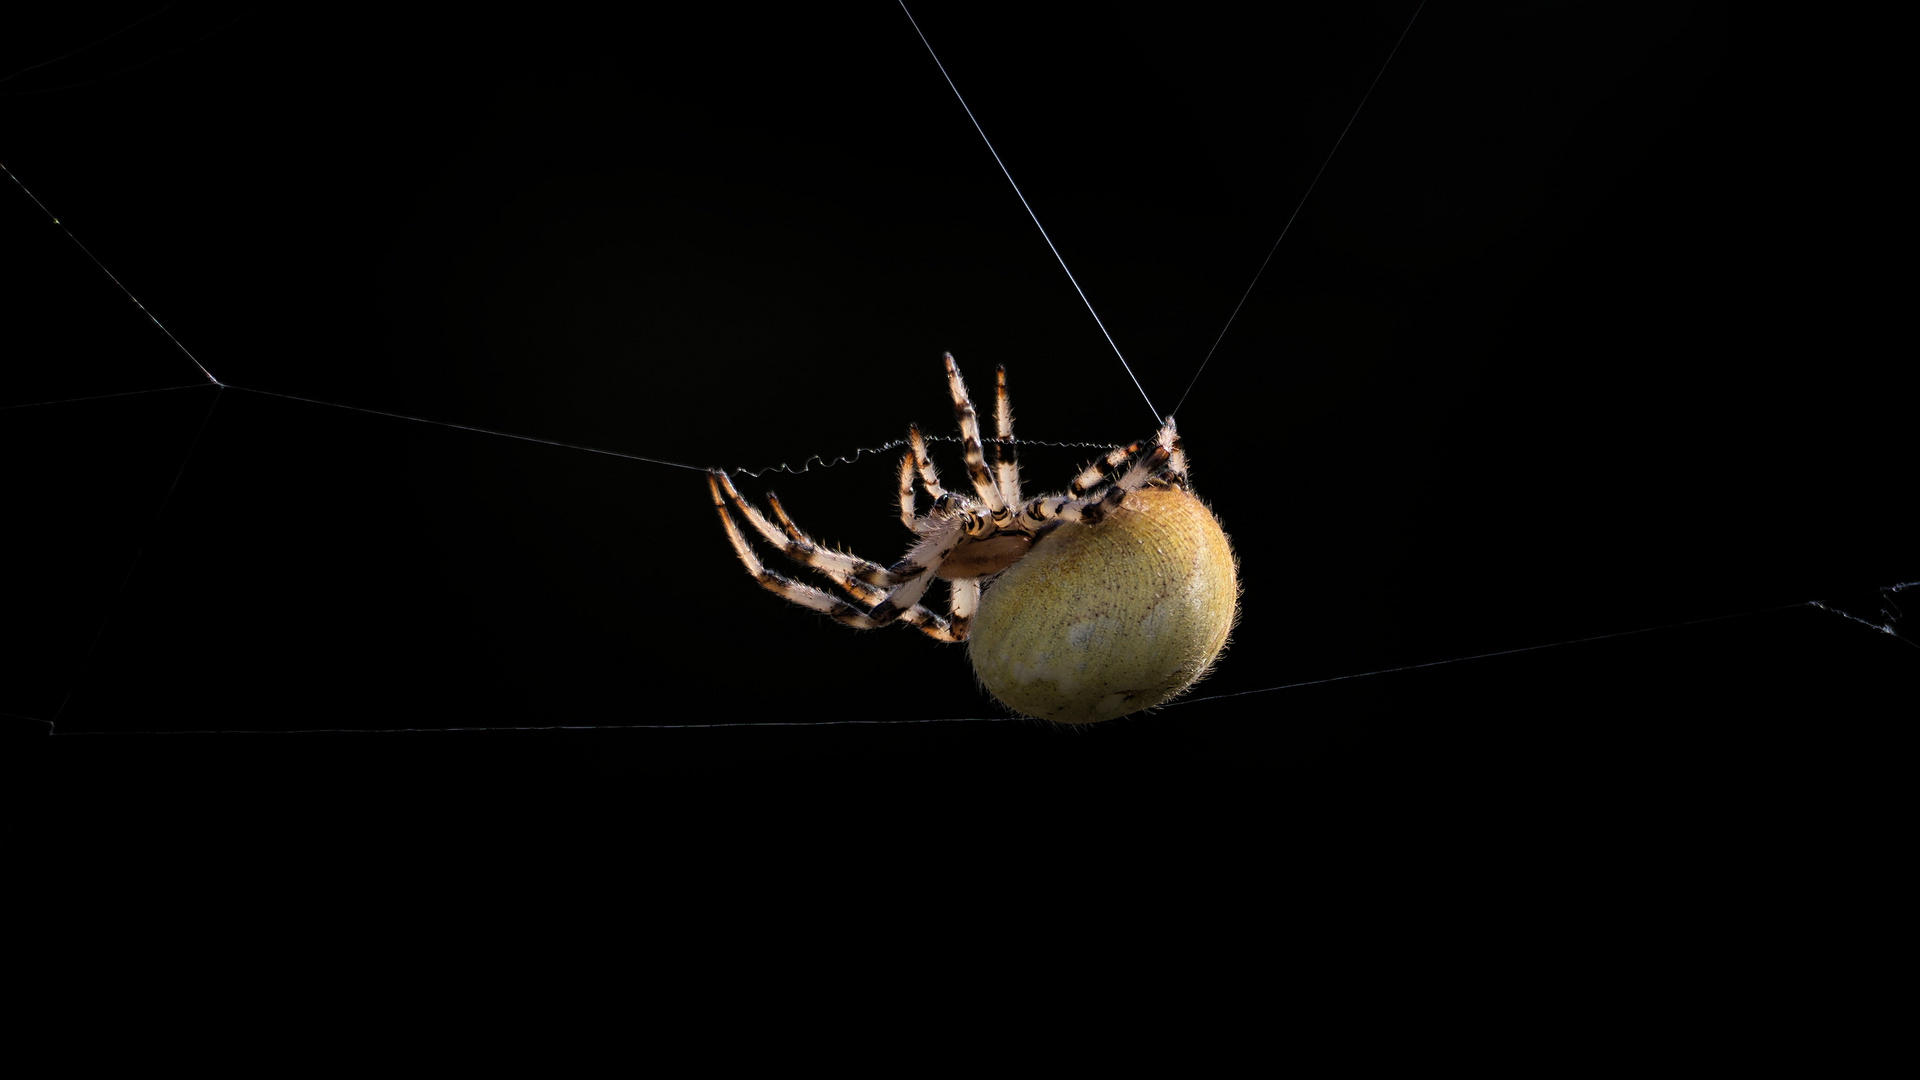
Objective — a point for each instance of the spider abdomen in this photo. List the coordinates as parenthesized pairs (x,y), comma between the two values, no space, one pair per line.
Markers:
(1098,621)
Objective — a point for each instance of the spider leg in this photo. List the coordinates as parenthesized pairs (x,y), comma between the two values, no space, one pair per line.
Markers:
(1037,513)
(1177,456)
(1166,459)
(963,600)
(906,493)
(909,578)
(808,596)
(918,567)
(962,603)
(797,546)
(1166,451)
(934,626)
(805,595)
(834,564)
(929,476)
(1094,474)
(918,616)
(1006,457)
(970,442)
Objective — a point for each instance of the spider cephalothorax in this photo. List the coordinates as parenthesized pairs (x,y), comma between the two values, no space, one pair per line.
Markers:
(1125,588)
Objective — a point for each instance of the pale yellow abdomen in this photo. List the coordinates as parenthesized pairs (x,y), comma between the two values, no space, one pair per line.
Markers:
(1104,620)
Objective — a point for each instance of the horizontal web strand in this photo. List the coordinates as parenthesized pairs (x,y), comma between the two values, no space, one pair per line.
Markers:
(1887,590)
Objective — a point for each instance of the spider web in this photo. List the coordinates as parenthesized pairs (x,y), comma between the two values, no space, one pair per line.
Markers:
(1517,381)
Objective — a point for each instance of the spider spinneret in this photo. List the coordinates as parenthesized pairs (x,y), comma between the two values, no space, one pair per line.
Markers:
(1113,597)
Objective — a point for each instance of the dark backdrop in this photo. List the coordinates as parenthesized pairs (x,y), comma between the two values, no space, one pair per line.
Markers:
(1576,336)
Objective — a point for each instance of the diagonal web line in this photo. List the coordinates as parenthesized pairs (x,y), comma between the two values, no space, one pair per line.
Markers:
(1391,53)
(1157,417)
(184,351)
(133,564)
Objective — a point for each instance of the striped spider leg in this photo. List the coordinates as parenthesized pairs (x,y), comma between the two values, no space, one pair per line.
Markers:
(1087,503)
(856,575)
(963,541)
(964,595)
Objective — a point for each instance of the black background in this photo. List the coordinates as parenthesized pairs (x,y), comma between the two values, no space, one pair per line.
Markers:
(1579,334)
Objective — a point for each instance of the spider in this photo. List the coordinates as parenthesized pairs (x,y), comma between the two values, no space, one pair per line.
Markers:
(1111,598)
